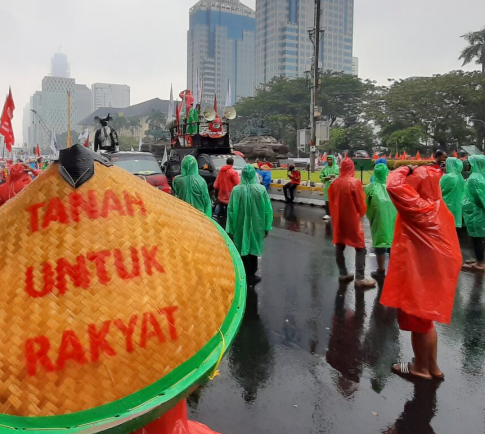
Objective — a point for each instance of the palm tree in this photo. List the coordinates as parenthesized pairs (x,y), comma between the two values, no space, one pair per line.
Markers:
(475,50)
(157,119)
(119,122)
(133,124)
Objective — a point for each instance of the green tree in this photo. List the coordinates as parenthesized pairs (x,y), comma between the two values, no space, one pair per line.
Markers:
(133,124)
(437,105)
(475,50)
(409,140)
(357,137)
(156,119)
(119,122)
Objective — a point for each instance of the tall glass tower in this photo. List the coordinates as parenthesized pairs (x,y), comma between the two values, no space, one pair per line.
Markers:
(283,47)
(221,46)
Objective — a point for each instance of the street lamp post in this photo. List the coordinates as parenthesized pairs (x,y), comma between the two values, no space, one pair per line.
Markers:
(314,99)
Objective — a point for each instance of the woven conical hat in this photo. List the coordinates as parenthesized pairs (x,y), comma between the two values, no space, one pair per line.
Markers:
(116,300)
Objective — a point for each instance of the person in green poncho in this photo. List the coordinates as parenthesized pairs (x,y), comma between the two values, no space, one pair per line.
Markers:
(382,216)
(193,120)
(249,220)
(453,189)
(191,187)
(474,212)
(327,175)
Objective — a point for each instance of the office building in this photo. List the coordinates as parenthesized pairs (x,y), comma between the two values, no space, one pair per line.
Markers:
(355,66)
(60,66)
(83,102)
(221,47)
(110,95)
(283,47)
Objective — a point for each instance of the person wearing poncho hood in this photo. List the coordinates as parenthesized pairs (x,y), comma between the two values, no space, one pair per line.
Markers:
(347,205)
(329,173)
(424,266)
(249,220)
(453,189)
(474,212)
(191,187)
(382,216)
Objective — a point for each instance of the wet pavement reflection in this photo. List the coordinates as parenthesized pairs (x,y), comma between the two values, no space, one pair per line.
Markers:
(313,356)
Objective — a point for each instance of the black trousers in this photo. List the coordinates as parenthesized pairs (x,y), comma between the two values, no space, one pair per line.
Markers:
(250,264)
(289,187)
(479,247)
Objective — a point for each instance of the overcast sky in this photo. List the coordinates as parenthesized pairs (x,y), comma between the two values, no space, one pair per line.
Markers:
(142,43)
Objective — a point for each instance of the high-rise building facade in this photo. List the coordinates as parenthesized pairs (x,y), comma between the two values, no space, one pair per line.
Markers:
(283,47)
(83,102)
(110,95)
(60,66)
(355,66)
(221,47)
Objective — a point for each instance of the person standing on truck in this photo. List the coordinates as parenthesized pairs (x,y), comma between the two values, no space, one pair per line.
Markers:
(227,179)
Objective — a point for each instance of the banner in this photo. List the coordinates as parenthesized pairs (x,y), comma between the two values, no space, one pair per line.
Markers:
(6,128)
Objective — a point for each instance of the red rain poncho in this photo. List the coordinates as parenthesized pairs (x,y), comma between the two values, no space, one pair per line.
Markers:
(426,257)
(18,179)
(347,207)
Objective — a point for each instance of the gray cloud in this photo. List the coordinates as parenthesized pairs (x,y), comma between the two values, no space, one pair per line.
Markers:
(143,43)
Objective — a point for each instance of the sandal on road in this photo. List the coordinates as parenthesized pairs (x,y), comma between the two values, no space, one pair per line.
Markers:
(440,377)
(404,371)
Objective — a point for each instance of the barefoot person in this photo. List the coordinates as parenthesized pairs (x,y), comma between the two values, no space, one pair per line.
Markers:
(382,217)
(424,266)
(347,206)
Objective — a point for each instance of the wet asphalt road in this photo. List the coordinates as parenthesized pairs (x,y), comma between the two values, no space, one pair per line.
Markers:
(315,357)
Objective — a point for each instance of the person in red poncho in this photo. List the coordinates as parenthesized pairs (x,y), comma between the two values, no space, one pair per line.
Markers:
(347,205)
(18,179)
(424,266)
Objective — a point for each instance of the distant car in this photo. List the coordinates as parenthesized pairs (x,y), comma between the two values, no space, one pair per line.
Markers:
(361,154)
(143,165)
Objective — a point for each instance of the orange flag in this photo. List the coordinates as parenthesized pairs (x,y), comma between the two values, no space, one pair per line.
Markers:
(418,156)
(455,154)
(404,156)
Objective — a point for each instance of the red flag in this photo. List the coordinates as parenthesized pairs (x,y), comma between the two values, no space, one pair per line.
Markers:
(37,151)
(404,156)
(418,156)
(6,128)
(455,154)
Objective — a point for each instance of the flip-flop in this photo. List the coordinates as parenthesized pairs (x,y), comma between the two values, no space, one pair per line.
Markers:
(405,372)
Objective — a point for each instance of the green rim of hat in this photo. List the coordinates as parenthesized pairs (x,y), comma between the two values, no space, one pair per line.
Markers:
(139,409)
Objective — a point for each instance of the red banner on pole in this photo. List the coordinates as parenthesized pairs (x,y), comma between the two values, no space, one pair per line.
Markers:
(6,128)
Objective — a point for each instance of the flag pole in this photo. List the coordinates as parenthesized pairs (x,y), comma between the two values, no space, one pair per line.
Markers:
(69,143)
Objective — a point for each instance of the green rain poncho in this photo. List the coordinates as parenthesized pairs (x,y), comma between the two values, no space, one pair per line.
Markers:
(326,172)
(474,203)
(191,187)
(380,209)
(192,121)
(250,214)
(453,188)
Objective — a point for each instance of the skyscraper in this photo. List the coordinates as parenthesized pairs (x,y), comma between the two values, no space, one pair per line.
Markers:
(221,46)
(110,95)
(283,47)
(60,66)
